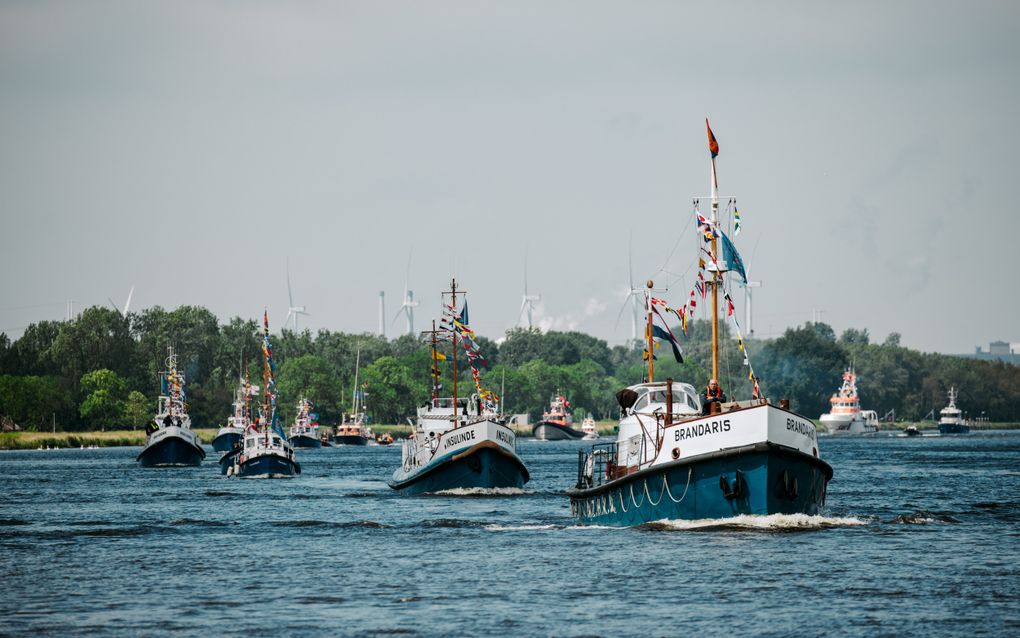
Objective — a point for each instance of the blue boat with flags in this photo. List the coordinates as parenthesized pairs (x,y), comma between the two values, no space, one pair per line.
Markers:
(170,441)
(305,430)
(265,451)
(680,455)
(229,436)
(458,442)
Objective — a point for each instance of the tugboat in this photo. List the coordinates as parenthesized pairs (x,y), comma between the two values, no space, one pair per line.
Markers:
(353,429)
(229,436)
(458,442)
(305,431)
(591,432)
(171,442)
(556,424)
(672,460)
(845,416)
(266,452)
(951,418)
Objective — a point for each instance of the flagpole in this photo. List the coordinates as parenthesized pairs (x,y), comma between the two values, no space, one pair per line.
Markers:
(715,273)
(453,297)
(648,332)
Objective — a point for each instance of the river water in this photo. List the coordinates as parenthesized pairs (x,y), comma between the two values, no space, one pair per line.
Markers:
(921,536)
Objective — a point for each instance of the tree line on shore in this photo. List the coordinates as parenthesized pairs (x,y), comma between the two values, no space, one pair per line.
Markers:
(100,370)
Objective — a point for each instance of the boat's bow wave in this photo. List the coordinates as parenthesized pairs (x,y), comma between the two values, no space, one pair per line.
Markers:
(772,523)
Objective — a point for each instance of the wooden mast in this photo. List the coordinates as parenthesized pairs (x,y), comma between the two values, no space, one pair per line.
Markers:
(435,366)
(648,333)
(716,276)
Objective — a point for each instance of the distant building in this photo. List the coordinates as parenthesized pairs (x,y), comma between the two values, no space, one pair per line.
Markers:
(999,348)
(997,351)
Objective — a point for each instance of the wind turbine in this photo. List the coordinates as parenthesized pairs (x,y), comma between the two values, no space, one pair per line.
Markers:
(634,294)
(409,303)
(127,304)
(528,302)
(292,310)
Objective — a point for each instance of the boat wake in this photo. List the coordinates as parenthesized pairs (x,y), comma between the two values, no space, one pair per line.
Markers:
(483,491)
(771,523)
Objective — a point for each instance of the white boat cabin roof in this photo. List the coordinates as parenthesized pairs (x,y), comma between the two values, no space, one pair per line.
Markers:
(652,398)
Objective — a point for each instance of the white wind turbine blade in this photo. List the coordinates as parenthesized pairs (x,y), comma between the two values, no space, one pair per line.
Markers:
(524,304)
(127,304)
(290,295)
(114,306)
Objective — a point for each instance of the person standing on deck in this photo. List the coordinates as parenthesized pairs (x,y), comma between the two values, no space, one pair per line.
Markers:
(713,394)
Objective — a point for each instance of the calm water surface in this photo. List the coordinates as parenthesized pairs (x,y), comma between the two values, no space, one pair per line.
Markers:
(921,536)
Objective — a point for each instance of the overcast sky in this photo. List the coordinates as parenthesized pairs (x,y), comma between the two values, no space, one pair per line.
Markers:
(190,148)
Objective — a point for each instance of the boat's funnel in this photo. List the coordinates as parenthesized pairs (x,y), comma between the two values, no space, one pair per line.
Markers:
(626,398)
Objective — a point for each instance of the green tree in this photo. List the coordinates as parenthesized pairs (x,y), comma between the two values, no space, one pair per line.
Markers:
(797,365)
(35,402)
(105,395)
(393,391)
(137,410)
(853,336)
(309,377)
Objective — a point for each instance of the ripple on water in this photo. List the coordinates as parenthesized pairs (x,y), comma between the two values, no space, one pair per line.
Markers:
(330,524)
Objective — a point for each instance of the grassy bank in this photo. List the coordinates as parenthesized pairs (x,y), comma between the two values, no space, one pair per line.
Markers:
(110,438)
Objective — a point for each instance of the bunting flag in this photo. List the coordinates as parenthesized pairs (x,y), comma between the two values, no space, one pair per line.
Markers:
(736,221)
(732,257)
(713,145)
(439,356)
(666,335)
(701,263)
(705,228)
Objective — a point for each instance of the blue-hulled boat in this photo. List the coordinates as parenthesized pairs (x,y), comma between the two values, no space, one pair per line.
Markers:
(458,443)
(677,459)
(229,436)
(305,431)
(951,419)
(170,441)
(265,451)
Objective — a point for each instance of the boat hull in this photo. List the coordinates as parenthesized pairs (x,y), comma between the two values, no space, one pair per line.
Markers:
(546,431)
(268,466)
(172,449)
(302,440)
(760,479)
(350,439)
(225,440)
(841,425)
(953,428)
(484,465)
